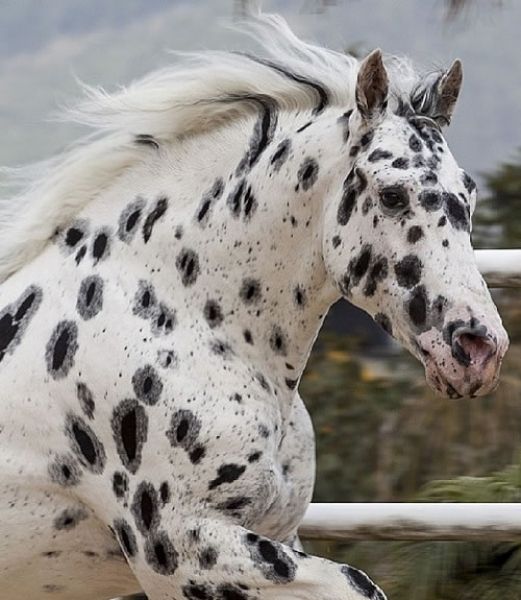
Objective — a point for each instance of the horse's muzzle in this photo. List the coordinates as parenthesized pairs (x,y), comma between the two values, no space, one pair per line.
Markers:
(463,361)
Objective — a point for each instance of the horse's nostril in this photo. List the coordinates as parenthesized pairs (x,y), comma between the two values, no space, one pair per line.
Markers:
(472,349)
(425,353)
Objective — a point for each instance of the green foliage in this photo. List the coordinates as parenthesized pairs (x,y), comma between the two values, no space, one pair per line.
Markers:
(503,486)
(502,205)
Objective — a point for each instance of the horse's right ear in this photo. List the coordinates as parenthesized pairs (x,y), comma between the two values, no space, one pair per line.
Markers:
(449,88)
(372,86)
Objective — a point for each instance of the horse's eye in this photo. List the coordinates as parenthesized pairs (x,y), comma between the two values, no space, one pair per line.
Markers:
(394,198)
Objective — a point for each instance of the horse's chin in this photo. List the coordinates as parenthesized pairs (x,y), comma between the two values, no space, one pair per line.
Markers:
(460,385)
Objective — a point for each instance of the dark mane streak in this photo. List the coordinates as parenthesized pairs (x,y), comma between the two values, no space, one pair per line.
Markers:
(321,92)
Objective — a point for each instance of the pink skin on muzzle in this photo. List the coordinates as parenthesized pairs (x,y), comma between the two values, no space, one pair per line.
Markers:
(464,357)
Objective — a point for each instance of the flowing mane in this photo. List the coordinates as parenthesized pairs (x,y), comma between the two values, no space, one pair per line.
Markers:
(201,92)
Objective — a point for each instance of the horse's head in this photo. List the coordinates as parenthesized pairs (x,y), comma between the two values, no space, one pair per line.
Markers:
(398,242)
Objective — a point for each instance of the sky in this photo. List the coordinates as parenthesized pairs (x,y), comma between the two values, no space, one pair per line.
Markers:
(45,46)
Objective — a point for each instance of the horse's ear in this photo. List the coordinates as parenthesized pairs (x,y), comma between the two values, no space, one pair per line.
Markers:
(372,86)
(449,87)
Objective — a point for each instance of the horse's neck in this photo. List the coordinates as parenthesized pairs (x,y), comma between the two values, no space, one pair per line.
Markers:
(270,240)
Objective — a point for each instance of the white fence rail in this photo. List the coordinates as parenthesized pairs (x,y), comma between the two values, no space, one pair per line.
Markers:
(412,521)
(500,268)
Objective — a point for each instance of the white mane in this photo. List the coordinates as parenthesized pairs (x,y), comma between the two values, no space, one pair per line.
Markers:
(200,92)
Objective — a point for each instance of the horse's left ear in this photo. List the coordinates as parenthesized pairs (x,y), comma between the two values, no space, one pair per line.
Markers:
(372,86)
(449,87)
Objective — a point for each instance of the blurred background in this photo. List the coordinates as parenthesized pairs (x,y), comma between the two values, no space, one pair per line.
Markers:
(381,435)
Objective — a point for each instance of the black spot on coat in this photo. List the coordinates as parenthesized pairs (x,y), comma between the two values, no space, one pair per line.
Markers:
(130,219)
(379,154)
(430,200)
(417,306)
(90,297)
(408,271)
(80,255)
(227,474)
(456,212)
(221,348)
(361,583)
(187,263)
(73,235)
(304,127)
(209,198)
(160,553)
(184,432)
(145,508)
(65,470)
(400,163)
(271,559)
(291,383)
(61,349)
(213,313)
(415,143)
(281,154)
(250,291)
(300,296)
(101,246)
(208,557)
(359,265)
(377,272)
(164,493)
(469,183)
(120,485)
(70,518)
(130,429)
(153,217)
(85,444)
(278,341)
(126,538)
(308,173)
(86,399)
(15,318)
(242,201)
(145,300)
(414,234)
(197,591)
(354,184)
(366,139)
(163,320)
(147,385)
(167,359)
(234,505)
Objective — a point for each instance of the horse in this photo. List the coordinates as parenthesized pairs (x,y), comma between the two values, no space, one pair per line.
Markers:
(163,282)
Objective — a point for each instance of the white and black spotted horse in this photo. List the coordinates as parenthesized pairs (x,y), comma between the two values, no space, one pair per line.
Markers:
(163,286)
